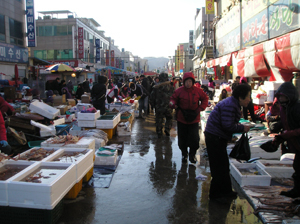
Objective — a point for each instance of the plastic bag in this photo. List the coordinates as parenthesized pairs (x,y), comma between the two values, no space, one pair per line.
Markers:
(241,150)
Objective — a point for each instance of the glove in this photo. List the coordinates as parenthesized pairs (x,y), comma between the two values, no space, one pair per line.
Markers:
(4,143)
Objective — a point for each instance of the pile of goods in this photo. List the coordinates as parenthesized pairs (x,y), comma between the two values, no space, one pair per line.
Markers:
(35,154)
(68,157)
(66,139)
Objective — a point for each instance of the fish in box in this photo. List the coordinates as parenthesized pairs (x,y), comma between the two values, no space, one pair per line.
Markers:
(36,154)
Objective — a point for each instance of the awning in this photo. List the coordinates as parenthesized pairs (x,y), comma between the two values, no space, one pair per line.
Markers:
(221,61)
(39,61)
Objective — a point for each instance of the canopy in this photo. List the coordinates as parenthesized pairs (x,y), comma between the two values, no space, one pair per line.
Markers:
(150,73)
(60,68)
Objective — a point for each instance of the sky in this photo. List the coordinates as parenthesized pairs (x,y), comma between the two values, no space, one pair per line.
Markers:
(145,28)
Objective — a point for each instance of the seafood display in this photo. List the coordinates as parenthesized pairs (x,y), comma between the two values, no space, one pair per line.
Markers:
(4,157)
(66,139)
(35,154)
(276,165)
(44,175)
(70,157)
(7,171)
(249,171)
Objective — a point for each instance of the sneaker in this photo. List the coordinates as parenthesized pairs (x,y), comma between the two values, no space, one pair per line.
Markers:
(167,133)
(184,159)
(192,159)
(291,193)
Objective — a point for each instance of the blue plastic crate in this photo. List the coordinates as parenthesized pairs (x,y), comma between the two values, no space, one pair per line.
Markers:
(62,126)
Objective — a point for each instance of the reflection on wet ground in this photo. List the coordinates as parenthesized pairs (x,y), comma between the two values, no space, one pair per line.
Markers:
(151,185)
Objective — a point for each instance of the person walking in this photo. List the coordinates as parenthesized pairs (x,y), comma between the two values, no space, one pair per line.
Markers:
(189,101)
(98,94)
(222,122)
(159,99)
(141,92)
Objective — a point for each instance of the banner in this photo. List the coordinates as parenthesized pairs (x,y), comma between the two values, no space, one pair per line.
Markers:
(117,62)
(112,58)
(80,43)
(122,64)
(30,23)
(107,58)
(13,53)
(97,43)
(209,9)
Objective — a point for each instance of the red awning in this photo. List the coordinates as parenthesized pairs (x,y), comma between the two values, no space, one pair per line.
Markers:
(221,61)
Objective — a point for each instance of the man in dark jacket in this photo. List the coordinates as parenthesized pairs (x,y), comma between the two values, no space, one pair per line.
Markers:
(98,94)
(55,84)
(222,122)
(86,86)
(159,99)
(189,101)
(288,98)
(141,92)
(79,91)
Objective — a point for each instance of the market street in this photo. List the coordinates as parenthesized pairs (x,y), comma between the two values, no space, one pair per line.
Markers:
(151,185)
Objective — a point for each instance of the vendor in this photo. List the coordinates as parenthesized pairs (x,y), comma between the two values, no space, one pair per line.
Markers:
(98,94)
(5,108)
(273,117)
(79,92)
(223,95)
(124,91)
(65,90)
(4,146)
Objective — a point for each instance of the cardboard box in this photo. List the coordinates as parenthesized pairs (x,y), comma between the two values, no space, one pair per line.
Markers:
(18,95)
(85,99)
(71,102)
(59,99)
(63,109)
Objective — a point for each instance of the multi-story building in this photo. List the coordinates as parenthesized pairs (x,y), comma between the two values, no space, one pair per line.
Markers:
(183,61)
(13,38)
(203,41)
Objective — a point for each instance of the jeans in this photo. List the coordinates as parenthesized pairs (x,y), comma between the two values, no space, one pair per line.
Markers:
(143,104)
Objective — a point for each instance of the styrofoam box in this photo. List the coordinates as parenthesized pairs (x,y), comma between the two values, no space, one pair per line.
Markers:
(3,184)
(59,121)
(88,116)
(70,117)
(106,160)
(255,180)
(121,131)
(277,169)
(85,142)
(39,195)
(86,124)
(256,151)
(108,124)
(83,164)
(115,106)
(269,85)
(46,133)
(260,101)
(44,109)
(56,151)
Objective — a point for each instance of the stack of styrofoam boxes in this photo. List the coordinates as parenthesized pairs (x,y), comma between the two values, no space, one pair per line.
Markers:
(52,131)
(255,142)
(87,120)
(258,101)
(271,88)
(124,129)
(259,177)
(115,106)
(44,109)
(108,124)
(276,168)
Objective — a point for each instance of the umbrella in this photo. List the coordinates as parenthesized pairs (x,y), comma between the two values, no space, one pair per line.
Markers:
(60,68)
(16,75)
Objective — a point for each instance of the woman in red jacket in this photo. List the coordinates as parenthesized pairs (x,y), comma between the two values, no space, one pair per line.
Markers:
(189,101)
(5,108)
(4,146)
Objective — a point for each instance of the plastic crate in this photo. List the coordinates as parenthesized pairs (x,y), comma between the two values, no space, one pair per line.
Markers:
(10,215)
(72,194)
(62,126)
(33,144)
(88,176)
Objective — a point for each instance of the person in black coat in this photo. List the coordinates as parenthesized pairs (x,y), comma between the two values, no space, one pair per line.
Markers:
(55,84)
(79,91)
(98,94)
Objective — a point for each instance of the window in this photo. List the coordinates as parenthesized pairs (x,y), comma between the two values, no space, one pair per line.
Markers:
(2,28)
(61,30)
(54,54)
(48,31)
(16,32)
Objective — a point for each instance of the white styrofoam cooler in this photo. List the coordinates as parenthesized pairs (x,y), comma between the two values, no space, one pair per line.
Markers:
(56,151)
(85,142)
(259,101)
(3,183)
(88,116)
(255,180)
(86,124)
(106,160)
(276,168)
(44,109)
(39,195)
(83,164)
(108,124)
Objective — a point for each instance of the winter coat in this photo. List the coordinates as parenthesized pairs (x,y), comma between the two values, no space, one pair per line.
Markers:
(139,91)
(2,129)
(70,87)
(99,89)
(68,94)
(5,108)
(79,92)
(189,99)
(290,115)
(161,94)
(223,121)
(49,95)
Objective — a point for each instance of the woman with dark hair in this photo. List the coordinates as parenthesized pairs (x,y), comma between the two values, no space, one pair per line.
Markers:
(250,106)
(223,95)
(66,91)
(222,122)
(98,94)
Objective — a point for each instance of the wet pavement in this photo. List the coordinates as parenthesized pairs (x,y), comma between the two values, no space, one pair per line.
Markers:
(151,185)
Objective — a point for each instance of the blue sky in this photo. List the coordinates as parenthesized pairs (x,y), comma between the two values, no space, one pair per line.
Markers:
(146,28)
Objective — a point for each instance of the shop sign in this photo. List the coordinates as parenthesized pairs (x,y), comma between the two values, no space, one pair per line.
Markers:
(30,21)
(191,42)
(122,64)
(181,56)
(228,43)
(255,30)
(209,9)
(80,43)
(13,53)
(97,43)
(283,17)
(112,58)
(117,62)
(107,58)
